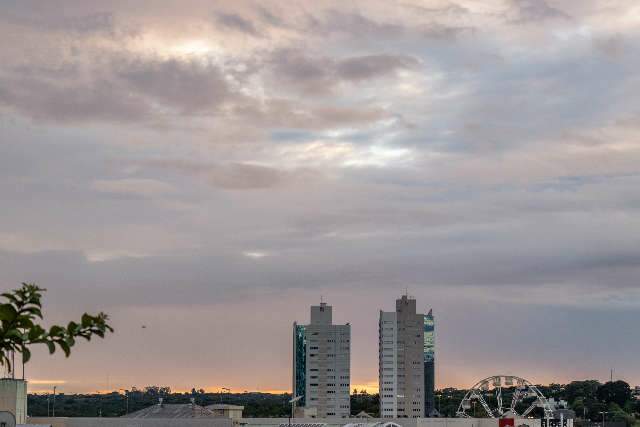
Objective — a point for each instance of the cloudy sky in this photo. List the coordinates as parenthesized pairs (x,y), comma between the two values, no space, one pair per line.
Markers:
(209,169)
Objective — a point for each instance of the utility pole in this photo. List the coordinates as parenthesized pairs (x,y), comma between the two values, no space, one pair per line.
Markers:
(221,395)
(53,413)
(126,395)
(603,417)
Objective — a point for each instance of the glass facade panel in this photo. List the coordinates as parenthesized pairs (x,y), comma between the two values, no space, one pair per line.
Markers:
(300,362)
(429,353)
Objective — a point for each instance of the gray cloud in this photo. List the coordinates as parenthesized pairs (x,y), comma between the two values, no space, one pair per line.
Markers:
(442,24)
(67,101)
(523,11)
(613,46)
(53,19)
(367,67)
(236,22)
(121,89)
(237,176)
(353,23)
(270,17)
(320,75)
(282,113)
(189,87)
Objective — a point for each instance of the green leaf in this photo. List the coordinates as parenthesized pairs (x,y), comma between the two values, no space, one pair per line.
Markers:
(72,327)
(35,311)
(65,347)
(7,312)
(56,330)
(13,333)
(35,332)
(87,320)
(18,327)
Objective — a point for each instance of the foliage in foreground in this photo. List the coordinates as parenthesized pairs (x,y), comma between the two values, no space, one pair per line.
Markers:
(19,327)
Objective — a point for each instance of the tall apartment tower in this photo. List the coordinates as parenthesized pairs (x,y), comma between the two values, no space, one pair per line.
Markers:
(321,364)
(405,379)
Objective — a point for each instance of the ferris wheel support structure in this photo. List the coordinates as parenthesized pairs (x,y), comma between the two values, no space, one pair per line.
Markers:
(493,386)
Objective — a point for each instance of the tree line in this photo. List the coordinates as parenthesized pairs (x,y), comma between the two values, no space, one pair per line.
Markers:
(587,398)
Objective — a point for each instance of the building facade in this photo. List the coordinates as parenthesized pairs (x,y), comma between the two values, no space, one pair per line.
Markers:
(321,364)
(406,357)
(13,398)
(429,354)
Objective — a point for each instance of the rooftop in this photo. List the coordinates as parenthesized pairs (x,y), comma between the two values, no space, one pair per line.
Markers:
(223,406)
(172,410)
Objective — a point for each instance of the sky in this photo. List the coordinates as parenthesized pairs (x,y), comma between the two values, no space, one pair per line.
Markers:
(210,169)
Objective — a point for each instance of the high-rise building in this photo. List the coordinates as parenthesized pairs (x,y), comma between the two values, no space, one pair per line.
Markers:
(321,364)
(405,361)
(429,353)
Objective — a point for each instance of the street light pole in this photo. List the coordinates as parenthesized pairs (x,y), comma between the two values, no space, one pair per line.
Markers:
(293,407)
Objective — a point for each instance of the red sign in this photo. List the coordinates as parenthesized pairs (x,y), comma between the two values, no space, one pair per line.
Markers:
(506,422)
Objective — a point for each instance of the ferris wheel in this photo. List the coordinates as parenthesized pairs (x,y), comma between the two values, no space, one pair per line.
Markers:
(501,395)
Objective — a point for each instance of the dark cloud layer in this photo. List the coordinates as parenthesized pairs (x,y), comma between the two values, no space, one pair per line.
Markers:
(534,11)
(122,89)
(236,22)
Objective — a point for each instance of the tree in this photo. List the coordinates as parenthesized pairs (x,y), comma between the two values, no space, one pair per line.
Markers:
(19,329)
(618,414)
(617,392)
(581,389)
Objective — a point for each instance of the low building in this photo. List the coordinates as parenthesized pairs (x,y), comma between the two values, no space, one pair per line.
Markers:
(172,410)
(227,411)
(362,414)
(277,422)
(304,412)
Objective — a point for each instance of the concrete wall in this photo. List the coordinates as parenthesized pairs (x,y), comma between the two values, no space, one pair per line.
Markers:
(269,422)
(13,398)
(404,422)
(131,422)
(471,422)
